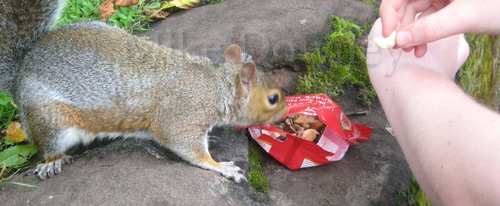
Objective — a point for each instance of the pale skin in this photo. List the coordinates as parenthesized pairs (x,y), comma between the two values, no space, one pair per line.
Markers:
(451,142)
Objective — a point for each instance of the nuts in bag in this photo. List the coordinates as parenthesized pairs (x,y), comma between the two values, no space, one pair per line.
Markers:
(315,131)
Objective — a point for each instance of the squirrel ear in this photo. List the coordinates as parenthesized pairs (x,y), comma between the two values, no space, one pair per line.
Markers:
(232,54)
(248,75)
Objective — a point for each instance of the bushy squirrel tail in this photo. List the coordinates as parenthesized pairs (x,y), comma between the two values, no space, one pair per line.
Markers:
(22,22)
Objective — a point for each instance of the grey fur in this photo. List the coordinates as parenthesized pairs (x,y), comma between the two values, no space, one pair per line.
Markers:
(21,23)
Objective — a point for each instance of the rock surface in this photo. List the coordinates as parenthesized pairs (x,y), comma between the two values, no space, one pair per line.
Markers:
(123,173)
(273,32)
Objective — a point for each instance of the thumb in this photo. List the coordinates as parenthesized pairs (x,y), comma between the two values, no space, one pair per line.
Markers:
(443,23)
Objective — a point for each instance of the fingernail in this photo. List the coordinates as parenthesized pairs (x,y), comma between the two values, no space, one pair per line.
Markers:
(403,38)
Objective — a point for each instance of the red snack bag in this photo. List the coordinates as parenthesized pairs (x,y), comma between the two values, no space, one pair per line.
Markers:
(295,152)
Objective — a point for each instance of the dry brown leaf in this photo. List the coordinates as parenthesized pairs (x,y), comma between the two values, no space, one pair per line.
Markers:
(156,14)
(15,133)
(126,2)
(107,9)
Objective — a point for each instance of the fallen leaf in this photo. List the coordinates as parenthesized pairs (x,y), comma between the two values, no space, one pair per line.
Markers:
(107,9)
(126,2)
(156,13)
(184,4)
(15,133)
(17,156)
(179,4)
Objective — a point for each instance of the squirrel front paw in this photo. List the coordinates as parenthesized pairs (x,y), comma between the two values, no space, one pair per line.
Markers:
(231,171)
(51,167)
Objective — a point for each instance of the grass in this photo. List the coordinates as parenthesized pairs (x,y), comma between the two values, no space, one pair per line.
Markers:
(77,11)
(478,76)
(133,18)
(7,110)
(414,196)
(256,177)
(338,63)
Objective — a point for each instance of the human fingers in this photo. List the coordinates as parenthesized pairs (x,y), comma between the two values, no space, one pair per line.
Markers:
(420,50)
(443,23)
(410,12)
(412,9)
(389,13)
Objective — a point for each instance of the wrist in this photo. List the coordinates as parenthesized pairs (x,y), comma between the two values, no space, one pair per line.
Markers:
(408,78)
(409,88)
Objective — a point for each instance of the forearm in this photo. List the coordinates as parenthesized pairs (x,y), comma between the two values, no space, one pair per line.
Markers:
(451,142)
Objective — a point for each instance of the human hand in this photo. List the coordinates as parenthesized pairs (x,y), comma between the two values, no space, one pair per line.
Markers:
(437,19)
(444,56)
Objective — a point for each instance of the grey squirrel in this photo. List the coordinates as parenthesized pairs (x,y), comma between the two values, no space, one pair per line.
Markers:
(90,80)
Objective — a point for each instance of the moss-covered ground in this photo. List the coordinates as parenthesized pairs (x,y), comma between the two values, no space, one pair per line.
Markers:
(478,76)
(338,63)
(256,176)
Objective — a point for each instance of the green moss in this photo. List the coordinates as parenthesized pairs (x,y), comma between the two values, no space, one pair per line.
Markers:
(414,196)
(339,62)
(477,76)
(496,63)
(256,177)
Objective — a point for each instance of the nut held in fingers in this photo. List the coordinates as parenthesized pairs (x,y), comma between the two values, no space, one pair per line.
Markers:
(386,43)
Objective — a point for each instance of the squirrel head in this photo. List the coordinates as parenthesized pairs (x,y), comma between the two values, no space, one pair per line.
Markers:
(257,100)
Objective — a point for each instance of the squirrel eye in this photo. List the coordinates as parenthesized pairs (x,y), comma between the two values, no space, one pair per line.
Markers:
(273,99)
